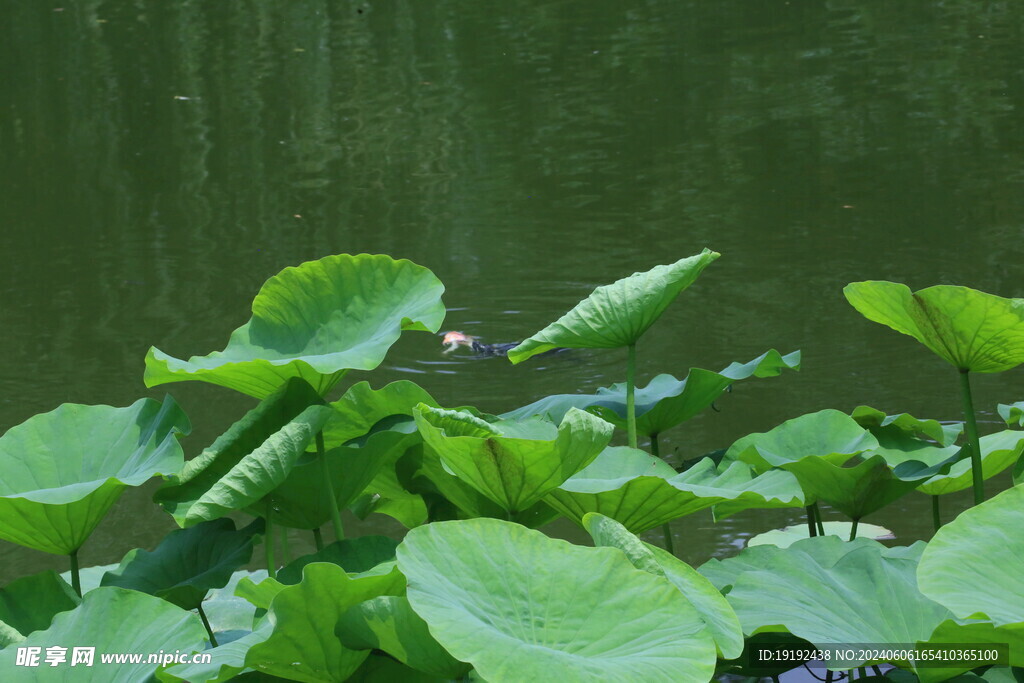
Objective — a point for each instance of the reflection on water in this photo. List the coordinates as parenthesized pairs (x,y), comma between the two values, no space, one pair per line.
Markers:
(161,160)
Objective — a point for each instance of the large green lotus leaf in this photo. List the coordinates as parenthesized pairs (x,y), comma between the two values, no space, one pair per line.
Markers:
(303,502)
(187,563)
(229,615)
(713,608)
(29,604)
(62,470)
(111,620)
(388,623)
(856,490)
(864,596)
(666,401)
(876,420)
(641,492)
(226,661)
(998,451)
(972,564)
(828,434)
(361,407)
(1012,413)
(513,472)
(971,330)
(518,605)
(244,437)
(354,555)
(386,495)
(618,314)
(978,632)
(787,536)
(316,321)
(302,646)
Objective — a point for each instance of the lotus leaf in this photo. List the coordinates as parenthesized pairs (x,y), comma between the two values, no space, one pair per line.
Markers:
(1012,414)
(383,669)
(513,472)
(248,435)
(360,408)
(828,434)
(302,645)
(831,593)
(302,501)
(666,401)
(112,620)
(29,604)
(642,492)
(388,623)
(354,555)
(874,420)
(316,321)
(971,330)
(787,536)
(998,451)
(493,595)
(231,616)
(227,661)
(62,470)
(714,609)
(618,314)
(972,565)
(187,563)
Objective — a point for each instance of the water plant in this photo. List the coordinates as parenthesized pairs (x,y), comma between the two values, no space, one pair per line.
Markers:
(475,590)
(971,330)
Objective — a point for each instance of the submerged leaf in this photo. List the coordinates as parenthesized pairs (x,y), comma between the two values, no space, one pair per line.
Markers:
(316,321)
(971,330)
(489,592)
(64,469)
(618,314)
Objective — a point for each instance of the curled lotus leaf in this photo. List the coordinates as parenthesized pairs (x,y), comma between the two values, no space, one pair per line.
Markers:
(316,321)
(827,434)
(1012,413)
(64,469)
(618,314)
(513,464)
(970,330)
(666,401)
(875,420)
(998,451)
(641,492)
(486,589)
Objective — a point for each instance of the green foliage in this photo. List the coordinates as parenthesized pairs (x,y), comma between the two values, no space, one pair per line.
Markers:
(316,321)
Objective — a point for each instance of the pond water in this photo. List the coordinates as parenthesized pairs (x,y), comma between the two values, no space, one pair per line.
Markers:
(161,160)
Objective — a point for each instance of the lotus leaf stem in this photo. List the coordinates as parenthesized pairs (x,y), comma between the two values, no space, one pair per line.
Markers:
(285,551)
(817,519)
(268,539)
(812,530)
(666,529)
(630,398)
(655,449)
(853,529)
(936,520)
(339,531)
(76,579)
(206,623)
(318,539)
(972,437)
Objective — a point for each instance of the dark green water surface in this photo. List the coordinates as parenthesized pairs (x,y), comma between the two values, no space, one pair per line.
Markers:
(160,160)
